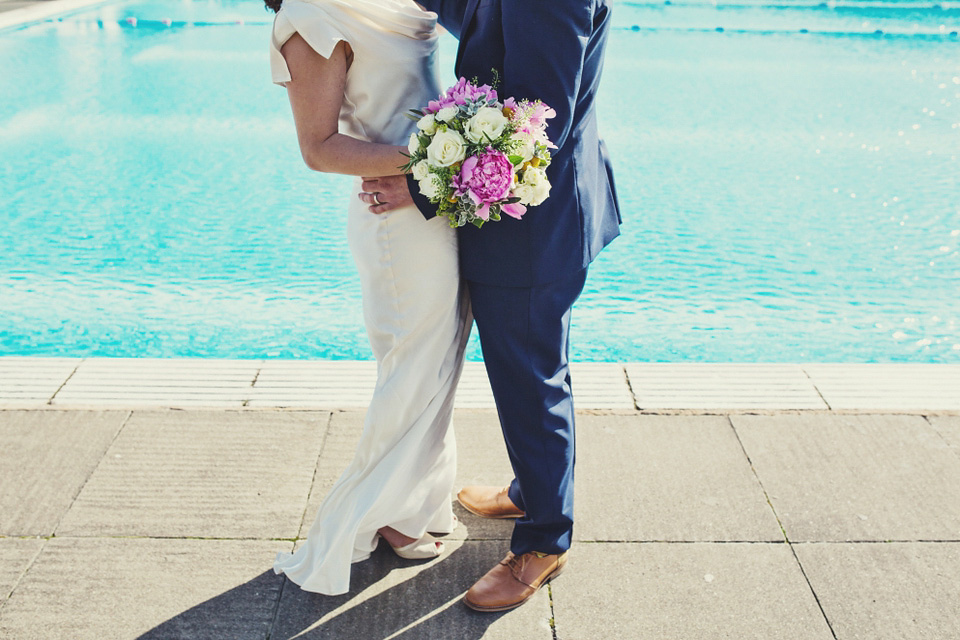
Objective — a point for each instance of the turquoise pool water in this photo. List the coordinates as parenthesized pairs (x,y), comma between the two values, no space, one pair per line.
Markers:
(789,180)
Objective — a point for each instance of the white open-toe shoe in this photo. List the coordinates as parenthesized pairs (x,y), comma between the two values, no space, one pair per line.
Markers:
(422,549)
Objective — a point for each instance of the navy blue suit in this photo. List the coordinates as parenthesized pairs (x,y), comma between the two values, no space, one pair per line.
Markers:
(524,275)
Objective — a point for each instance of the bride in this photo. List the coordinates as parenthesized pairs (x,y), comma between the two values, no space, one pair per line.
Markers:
(352,68)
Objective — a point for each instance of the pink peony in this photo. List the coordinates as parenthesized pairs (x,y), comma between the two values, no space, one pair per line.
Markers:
(486,178)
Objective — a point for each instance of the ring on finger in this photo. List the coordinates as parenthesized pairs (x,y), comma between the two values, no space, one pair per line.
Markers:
(376,198)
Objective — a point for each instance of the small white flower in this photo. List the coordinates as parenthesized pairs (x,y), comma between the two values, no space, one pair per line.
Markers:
(488,123)
(534,188)
(447,114)
(421,170)
(446,149)
(428,124)
(529,148)
(430,186)
(414,143)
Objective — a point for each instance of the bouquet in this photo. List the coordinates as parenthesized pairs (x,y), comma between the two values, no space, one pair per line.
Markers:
(477,158)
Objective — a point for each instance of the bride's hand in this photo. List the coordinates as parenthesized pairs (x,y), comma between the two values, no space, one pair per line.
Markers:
(385,193)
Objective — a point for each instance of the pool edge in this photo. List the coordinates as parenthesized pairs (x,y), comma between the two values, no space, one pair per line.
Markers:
(40,11)
(188,383)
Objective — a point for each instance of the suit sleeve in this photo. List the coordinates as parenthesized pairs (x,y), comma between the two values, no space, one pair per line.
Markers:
(427,208)
(449,13)
(545,42)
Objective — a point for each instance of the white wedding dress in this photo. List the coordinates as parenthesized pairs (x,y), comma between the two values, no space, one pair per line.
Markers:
(415,310)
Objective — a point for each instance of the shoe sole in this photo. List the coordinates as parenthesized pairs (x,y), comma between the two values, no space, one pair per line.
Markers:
(483,515)
(476,607)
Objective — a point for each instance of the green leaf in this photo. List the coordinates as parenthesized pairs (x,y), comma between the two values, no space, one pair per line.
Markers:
(515,160)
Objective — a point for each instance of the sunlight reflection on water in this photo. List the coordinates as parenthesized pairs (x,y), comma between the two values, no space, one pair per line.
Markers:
(787,196)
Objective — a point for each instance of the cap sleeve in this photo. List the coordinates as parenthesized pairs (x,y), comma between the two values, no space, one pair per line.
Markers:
(314,25)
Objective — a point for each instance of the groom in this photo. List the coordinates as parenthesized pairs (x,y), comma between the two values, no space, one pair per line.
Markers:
(524,275)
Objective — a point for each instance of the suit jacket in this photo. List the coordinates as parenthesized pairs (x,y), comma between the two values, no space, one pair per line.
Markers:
(550,50)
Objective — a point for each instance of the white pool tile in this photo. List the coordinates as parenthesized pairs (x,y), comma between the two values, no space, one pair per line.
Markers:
(722,386)
(895,387)
(156,382)
(321,384)
(33,381)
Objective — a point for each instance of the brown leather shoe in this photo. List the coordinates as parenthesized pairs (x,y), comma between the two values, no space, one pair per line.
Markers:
(514,581)
(488,502)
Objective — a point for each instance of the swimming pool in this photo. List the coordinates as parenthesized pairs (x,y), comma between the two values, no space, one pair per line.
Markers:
(789,181)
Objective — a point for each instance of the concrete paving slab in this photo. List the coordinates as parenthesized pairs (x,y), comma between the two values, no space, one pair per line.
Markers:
(722,386)
(339,446)
(482,459)
(897,387)
(855,477)
(663,590)
(129,588)
(45,458)
(396,598)
(887,591)
(204,474)
(949,429)
(16,554)
(645,477)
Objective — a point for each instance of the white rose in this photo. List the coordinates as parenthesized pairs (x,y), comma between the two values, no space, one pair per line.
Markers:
(421,170)
(428,124)
(534,188)
(447,114)
(414,144)
(488,123)
(430,186)
(447,148)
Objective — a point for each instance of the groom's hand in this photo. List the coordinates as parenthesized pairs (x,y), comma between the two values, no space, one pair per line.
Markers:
(385,193)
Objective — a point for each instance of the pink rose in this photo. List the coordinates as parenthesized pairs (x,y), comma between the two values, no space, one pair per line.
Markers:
(486,178)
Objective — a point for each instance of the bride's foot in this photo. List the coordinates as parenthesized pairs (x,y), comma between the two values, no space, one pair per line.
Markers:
(410,548)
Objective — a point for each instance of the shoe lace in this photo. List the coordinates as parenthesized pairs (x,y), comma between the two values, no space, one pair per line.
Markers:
(517,564)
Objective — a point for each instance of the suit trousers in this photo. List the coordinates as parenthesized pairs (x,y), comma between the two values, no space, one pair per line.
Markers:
(525,339)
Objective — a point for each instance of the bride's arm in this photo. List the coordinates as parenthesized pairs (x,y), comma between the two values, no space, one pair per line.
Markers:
(316,93)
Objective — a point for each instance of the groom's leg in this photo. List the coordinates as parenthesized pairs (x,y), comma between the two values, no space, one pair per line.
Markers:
(524,334)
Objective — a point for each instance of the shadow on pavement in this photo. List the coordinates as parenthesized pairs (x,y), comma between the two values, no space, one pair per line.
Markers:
(246,611)
(380,603)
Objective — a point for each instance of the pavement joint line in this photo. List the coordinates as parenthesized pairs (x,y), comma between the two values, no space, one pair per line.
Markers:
(485,539)
(891,541)
(815,387)
(253,384)
(316,470)
(275,617)
(106,449)
(786,538)
(446,605)
(50,400)
(553,614)
(633,394)
(156,537)
(770,542)
(26,569)
(940,435)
